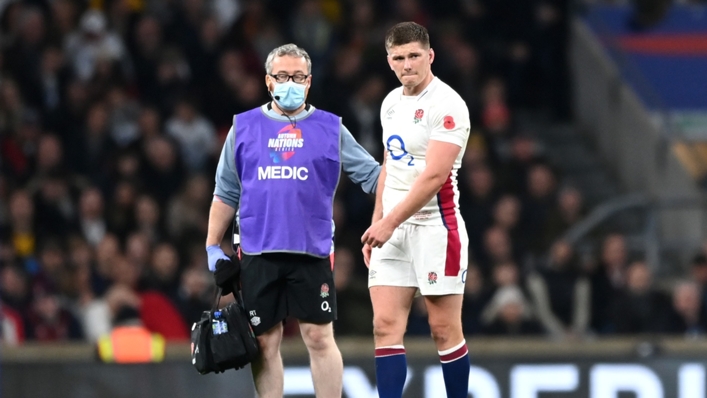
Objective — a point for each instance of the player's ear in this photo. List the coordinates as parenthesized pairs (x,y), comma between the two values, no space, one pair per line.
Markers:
(432,55)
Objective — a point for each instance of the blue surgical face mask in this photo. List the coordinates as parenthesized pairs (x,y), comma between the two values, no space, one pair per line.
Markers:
(289,95)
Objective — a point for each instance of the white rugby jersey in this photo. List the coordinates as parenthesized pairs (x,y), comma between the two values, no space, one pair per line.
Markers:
(409,123)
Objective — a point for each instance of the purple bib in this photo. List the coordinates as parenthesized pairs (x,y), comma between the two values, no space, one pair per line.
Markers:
(288,178)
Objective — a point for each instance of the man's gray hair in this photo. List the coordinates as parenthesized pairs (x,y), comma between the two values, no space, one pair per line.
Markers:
(287,49)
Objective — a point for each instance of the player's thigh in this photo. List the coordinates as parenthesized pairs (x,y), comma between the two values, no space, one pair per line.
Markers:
(263,291)
(391,306)
(311,294)
(391,265)
(440,259)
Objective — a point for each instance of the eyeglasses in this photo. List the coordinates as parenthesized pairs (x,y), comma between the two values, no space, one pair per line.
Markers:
(284,77)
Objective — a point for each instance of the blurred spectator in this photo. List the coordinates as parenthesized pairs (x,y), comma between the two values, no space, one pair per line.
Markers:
(173,76)
(687,315)
(14,288)
(476,209)
(119,214)
(516,159)
(607,279)
(560,294)
(163,171)
(498,248)
(22,224)
(476,296)
(138,249)
(506,215)
(145,44)
(12,329)
(94,313)
(91,43)
(91,154)
(51,275)
(106,253)
(24,55)
(54,204)
(639,308)
(48,321)
(362,115)
(538,205)
(187,212)
(195,135)
(148,219)
(313,31)
(91,216)
(163,275)
(123,117)
(195,294)
(569,210)
(508,314)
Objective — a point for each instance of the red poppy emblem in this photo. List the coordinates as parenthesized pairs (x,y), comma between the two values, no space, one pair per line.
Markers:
(449,122)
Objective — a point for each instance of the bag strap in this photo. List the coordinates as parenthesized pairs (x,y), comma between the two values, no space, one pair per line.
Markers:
(238,297)
(217,298)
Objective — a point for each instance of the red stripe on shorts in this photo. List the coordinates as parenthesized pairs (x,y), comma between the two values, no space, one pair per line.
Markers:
(331,260)
(445,201)
(454,355)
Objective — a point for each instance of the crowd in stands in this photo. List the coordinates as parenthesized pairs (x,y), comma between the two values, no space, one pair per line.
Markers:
(112,118)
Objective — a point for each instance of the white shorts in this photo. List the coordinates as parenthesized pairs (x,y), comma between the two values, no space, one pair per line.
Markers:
(428,257)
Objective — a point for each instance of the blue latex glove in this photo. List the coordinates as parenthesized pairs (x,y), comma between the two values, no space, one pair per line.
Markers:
(215,253)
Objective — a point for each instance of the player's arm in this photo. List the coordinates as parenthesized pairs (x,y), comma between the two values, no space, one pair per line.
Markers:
(226,194)
(357,163)
(378,208)
(440,158)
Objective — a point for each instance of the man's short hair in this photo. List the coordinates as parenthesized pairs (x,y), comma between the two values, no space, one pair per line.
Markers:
(291,50)
(407,32)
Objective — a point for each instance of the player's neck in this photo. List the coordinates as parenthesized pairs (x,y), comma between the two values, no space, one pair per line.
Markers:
(416,90)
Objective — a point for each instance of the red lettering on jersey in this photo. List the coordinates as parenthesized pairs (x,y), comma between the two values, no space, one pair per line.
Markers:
(449,122)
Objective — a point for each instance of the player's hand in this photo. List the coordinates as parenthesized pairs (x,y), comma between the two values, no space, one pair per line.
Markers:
(215,253)
(367,254)
(378,233)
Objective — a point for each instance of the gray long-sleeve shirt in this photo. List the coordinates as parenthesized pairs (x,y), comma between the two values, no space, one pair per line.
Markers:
(358,164)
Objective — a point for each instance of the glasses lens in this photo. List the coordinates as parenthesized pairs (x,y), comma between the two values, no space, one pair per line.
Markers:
(281,78)
(299,78)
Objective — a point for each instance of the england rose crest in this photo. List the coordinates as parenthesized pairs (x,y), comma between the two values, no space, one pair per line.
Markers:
(324,291)
(432,278)
(418,115)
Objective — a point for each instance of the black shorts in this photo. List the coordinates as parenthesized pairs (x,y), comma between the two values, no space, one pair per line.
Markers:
(278,285)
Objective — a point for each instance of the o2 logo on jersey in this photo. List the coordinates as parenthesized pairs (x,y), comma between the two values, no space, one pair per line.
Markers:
(402,152)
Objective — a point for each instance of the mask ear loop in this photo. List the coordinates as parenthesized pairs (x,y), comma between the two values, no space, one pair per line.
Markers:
(292,120)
